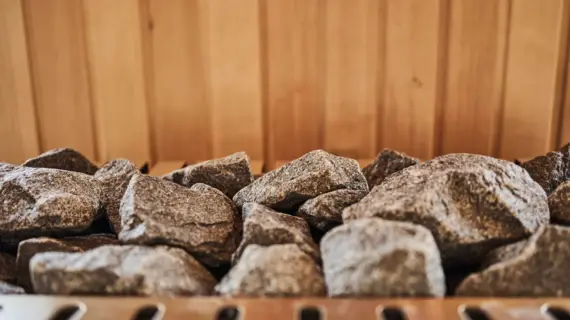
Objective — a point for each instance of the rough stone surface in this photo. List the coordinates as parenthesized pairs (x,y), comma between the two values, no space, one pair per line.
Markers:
(229,174)
(264,226)
(548,170)
(540,269)
(324,212)
(313,174)
(38,201)
(201,219)
(387,162)
(559,204)
(121,270)
(114,177)
(28,248)
(503,253)
(63,159)
(274,271)
(375,257)
(7,288)
(7,268)
(471,203)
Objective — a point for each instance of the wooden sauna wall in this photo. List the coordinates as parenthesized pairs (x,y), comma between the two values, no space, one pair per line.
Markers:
(194,79)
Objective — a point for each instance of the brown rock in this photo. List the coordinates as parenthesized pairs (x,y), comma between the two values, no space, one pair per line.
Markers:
(7,268)
(324,212)
(63,159)
(387,162)
(503,253)
(549,170)
(559,204)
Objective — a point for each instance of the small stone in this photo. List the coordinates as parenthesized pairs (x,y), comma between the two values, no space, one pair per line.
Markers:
(28,248)
(503,253)
(387,162)
(63,159)
(264,226)
(274,271)
(559,204)
(120,270)
(313,174)
(37,202)
(7,288)
(229,174)
(114,177)
(7,268)
(324,212)
(379,258)
(471,203)
(538,269)
(548,170)
(201,219)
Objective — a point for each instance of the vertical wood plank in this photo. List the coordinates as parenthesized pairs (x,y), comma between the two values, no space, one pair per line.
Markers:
(231,37)
(475,69)
(59,73)
(18,134)
(114,46)
(352,31)
(411,76)
(534,65)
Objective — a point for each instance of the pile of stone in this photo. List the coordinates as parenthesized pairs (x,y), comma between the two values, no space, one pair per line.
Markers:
(458,224)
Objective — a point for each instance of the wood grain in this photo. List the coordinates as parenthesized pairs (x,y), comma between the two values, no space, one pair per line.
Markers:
(18,134)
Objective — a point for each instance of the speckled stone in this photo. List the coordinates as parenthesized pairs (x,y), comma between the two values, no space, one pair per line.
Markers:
(28,248)
(229,174)
(7,288)
(114,177)
(324,212)
(387,162)
(540,269)
(471,203)
(264,226)
(38,202)
(503,253)
(559,204)
(201,219)
(121,270)
(313,174)
(274,271)
(63,159)
(7,268)
(380,258)
(548,170)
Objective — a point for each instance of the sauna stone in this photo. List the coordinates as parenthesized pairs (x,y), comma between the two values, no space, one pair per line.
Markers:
(387,162)
(63,159)
(324,212)
(274,271)
(8,288)
(379,258)
(28,248)
(121,270)
(471,203)
(538,269)
(503,253)
(548,170)
(114,177)
(311,175)
(201,219)
(264,226)
(7,268)
(559,204)
(229,174)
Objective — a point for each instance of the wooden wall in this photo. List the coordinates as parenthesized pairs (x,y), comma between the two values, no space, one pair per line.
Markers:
(194,79)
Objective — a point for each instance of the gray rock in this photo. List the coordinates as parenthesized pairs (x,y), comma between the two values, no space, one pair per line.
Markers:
(7,268)
(375,257)
(324,212)
(114,177)
(264,226)
(37,202)
(229,174)
(538,270)
(201,219)
(313,174)
(471,203)
(387,162)
(559,204)
(121,270)
(63,159)
(548,170)
(274,271)
(28,248)
(7,288)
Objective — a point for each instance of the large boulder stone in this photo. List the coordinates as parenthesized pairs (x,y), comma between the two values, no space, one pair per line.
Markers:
(375,257)
(63,159)
(548,170)
(265,227)
(28,248)
(387,162)
(313,174)
(559,204)
(229,174)
(201,219)
(538,268)
(114,177)
(471,203)
(324,212)
(7,268)
(120,270)
(274,271)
